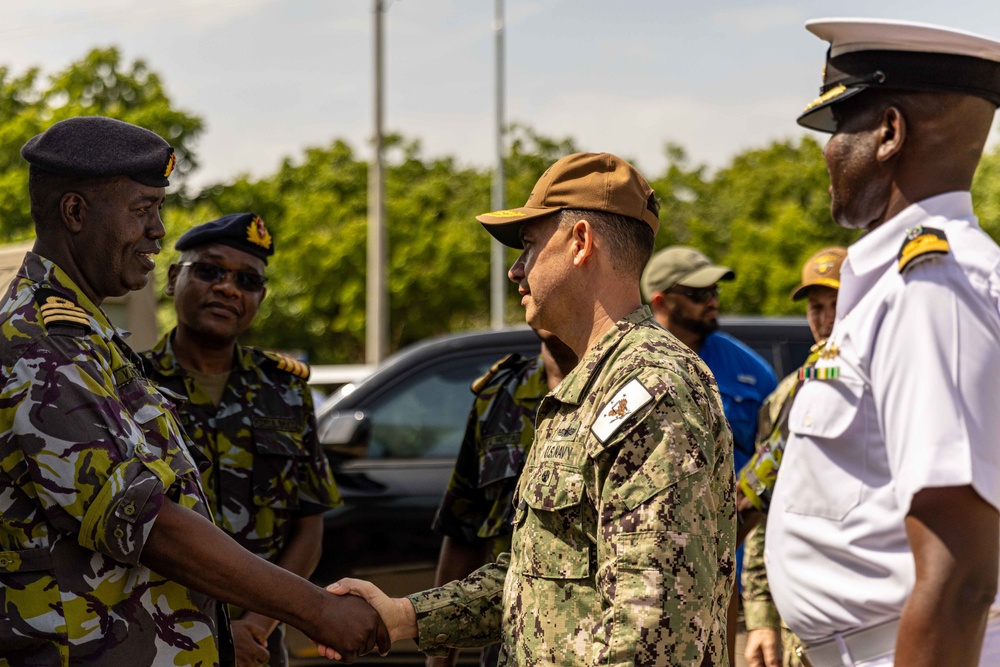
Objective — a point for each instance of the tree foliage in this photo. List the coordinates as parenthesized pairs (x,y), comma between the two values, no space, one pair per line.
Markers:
(762,214)
(100,84)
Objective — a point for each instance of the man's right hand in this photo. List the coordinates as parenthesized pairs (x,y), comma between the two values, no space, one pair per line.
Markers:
(350,626)
(763,648)
(250,642)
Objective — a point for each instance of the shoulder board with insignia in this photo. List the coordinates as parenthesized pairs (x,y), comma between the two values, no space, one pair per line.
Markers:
(57,310)
(288,364)
(921,242)
(481,382)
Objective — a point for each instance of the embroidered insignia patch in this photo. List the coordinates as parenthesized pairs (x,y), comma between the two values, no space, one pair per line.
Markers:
(55,308)
(921,242)
(171,163)
(257,233)
(289,365)
(622,405)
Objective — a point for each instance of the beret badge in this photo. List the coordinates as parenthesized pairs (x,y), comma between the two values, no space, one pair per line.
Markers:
(257,233)
(171,163)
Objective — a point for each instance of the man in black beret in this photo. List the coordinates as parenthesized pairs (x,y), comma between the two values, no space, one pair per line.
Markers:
(249,413)
(109,553)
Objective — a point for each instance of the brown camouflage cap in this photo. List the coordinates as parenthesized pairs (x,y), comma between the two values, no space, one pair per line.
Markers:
(584,181)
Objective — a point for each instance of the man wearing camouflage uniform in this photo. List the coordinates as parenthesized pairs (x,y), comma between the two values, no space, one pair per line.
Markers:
(102,515)
(820,282)
(476,514)
(624,528)
(249,413)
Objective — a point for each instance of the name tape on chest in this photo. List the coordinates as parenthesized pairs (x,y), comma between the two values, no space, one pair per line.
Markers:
(623,404)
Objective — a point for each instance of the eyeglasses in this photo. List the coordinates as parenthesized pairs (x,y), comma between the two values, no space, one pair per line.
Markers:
(698,294)
(248,281)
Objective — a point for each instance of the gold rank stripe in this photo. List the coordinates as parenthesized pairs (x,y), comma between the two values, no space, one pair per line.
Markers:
(826,97)
(55,314)
(289,365)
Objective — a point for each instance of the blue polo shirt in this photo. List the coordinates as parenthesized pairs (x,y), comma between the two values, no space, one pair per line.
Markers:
(745,380)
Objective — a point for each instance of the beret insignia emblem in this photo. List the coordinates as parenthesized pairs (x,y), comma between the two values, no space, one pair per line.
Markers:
(257,233)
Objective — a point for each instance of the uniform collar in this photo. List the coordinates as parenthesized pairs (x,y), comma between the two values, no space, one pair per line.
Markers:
(46,273)
(575,385)
(876,249)
(165,359)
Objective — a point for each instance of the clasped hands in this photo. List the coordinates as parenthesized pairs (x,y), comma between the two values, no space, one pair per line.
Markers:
(397,619)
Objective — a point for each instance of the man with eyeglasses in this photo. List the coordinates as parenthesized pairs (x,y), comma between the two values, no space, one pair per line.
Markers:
(681,286)
(249,413)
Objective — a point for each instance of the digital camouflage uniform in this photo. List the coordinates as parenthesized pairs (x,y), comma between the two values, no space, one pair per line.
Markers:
(89,452)
(758,606)
(258,453)
(478,504)
(624,532)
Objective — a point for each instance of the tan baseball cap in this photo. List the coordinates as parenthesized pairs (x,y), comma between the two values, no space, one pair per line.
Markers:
(823,269)
(585,181)
(681,265)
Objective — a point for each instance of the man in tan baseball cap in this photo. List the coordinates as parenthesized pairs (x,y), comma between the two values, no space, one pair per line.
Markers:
(596,490)
(820,282)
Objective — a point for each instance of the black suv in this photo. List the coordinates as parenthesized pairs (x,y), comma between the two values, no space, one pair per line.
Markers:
(392,439)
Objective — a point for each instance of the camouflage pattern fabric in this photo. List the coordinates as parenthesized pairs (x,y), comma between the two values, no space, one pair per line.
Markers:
(624,531)
(478,504)
(258,452)
(758,606)
(89,452)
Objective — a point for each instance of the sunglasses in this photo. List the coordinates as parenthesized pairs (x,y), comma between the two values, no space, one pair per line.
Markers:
(247,281)
(698,294)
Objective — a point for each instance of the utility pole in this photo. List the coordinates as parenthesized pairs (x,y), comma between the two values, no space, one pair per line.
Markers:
(377,305)
(498,263)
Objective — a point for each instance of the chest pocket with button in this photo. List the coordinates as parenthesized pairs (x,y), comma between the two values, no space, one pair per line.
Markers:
(553,523)
(279,455)
(823,470)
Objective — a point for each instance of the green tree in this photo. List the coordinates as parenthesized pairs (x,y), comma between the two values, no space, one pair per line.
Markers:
(99,84)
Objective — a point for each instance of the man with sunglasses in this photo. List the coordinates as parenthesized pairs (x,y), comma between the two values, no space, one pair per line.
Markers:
(249,413)
(108,554)
(681,286)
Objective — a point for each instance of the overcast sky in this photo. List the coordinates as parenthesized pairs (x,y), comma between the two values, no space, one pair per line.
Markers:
(271,77)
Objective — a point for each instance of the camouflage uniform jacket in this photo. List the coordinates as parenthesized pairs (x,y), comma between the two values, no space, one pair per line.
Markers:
(89,452)
(478,504)
(625,527)
(258,453)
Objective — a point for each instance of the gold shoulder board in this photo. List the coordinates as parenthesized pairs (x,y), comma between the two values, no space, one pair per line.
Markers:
(288,364)
(55,309)
(480,383)
(920,243)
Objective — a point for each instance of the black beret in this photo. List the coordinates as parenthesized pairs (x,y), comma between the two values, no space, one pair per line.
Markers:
(243,231)
(98,147)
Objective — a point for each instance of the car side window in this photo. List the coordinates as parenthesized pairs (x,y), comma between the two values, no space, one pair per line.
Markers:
(424,416)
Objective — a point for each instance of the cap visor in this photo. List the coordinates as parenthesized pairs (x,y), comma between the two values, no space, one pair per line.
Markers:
(802,291)
(505,225)
(707,276)
(819,113)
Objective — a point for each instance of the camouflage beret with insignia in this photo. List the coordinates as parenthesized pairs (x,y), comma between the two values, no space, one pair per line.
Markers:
(288,364)
(243,231)
(98,147)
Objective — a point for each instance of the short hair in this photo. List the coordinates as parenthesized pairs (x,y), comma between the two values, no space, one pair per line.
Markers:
(46,190)
(629,241)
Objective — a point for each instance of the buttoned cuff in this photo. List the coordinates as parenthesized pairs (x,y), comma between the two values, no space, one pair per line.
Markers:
(119,520)
(760,614)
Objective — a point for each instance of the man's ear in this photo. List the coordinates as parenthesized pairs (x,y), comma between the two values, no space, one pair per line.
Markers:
(72,211)
(891,134)
(172,272)
(582,241)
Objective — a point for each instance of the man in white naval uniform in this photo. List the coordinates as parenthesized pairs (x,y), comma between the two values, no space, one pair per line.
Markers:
(883,535)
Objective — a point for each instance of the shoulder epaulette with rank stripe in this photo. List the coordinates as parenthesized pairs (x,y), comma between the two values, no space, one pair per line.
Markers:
(288,364)
(56,309)
(480,383)
(921,242)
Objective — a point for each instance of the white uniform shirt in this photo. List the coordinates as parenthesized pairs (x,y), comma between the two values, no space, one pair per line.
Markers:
(916,405)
